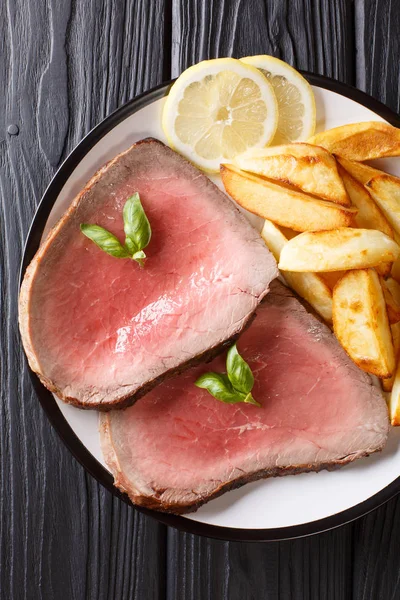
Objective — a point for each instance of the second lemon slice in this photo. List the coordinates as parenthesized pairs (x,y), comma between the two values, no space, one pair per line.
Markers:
(217,109)
(294,95)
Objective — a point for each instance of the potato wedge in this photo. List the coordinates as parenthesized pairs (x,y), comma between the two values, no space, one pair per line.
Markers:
(309,286)
(341,249)
(360,141)
(383,188)
(310,168)
(387,384)
(283,205)
(361,324)
(392,306)
(369,215)
(362,173)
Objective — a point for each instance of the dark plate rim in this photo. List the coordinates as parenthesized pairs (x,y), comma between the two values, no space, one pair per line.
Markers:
(54,414)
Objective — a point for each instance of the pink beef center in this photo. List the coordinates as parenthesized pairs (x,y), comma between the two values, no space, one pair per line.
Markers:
(178,433)
(101,312)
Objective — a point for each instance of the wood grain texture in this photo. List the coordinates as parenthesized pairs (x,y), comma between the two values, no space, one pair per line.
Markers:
(313,35)
(64,66)
(377,26)
(377,554)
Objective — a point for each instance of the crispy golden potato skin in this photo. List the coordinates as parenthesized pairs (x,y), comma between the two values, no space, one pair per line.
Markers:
(310,168)
(282,204)
(309,286)
(337,250)
(361,324)
(360,141)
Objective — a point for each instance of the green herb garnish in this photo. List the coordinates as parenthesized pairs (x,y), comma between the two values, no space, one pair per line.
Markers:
(234,386)
(137,231)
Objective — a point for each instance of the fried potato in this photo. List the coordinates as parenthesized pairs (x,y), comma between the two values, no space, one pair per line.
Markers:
(338,250)
(310,168)
(360,141)
(383,188)
(309,286)
(369,216)
(283,205)
(392,305)
(361,324)
(387,384)
(362,173)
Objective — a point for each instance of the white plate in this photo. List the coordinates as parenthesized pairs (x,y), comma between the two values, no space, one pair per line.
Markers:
(272,508)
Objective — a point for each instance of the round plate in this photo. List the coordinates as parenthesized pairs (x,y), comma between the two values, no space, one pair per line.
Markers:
(271,509)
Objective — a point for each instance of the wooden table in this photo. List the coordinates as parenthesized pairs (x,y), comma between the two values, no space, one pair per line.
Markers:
(64,66)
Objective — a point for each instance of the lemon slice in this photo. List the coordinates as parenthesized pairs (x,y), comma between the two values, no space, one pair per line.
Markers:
(295,98)
(217,109)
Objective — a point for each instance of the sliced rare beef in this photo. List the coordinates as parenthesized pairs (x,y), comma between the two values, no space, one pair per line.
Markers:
(101,331)
(178,447)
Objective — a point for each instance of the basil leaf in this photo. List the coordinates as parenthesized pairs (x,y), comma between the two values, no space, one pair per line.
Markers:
(140,257)
(131,246)
(239,372)
(250,400)
(136,225)
(219,386)
(104,240)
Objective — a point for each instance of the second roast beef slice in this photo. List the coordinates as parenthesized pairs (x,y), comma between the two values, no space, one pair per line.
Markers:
(100,331)
(178,447)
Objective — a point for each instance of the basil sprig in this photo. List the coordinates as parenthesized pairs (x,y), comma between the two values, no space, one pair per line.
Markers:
(234,386)
(137,231)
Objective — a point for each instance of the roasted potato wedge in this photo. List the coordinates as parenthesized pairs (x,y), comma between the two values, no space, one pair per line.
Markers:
(362,173)
(341,249)
(283,205)
(309,286)
(383,188)
(310,168)
(361,324)
(360,141)
(387,384)
(369,216)
(392,305)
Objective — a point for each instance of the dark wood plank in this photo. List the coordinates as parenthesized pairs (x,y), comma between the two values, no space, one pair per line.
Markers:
(377,554)
(377,26)
(316,567)
(64,66)
(314,35)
